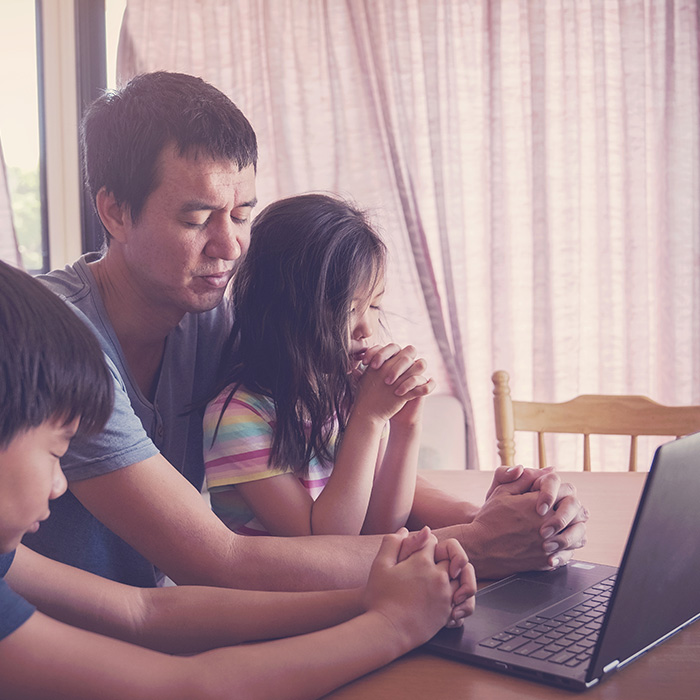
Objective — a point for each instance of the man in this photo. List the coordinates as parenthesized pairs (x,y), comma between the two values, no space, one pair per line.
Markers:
(171,166)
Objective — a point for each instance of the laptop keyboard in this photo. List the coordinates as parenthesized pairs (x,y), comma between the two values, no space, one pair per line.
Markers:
(566,637)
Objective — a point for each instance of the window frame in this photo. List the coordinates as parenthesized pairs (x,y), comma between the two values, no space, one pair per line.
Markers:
(72,71)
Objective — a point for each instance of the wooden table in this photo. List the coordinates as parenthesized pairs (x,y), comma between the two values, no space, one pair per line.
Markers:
(669,672)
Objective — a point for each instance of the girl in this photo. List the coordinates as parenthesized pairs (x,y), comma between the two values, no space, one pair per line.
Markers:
(315,429)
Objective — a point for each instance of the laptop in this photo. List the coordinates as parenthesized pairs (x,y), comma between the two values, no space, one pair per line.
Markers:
(575,626)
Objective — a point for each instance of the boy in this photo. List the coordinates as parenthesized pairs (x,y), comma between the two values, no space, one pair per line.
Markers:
(66,633)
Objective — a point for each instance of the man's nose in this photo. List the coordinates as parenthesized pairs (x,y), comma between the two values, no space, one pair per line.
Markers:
(229,240)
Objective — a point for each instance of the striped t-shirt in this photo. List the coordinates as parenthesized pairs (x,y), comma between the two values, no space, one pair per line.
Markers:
(241,453)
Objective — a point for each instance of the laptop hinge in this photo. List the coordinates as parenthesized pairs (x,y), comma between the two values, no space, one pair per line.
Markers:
(611,666)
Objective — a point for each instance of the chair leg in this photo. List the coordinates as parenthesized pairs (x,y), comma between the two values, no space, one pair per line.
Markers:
(541,451)
(633,454)
(503,409)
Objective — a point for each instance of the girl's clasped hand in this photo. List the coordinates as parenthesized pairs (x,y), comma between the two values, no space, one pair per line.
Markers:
(390,377)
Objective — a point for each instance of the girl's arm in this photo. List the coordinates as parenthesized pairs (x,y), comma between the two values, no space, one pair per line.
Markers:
(406,604)
(395,481)
(238,459)
(286,508)
(374,488)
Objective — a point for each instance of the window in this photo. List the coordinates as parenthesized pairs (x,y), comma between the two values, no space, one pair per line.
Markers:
(19,128)
(114,11)
(76,36)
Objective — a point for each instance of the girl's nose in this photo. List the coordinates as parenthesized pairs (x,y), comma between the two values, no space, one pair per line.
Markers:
(363,329)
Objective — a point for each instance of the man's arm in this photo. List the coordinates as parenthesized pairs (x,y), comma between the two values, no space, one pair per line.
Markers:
(438,509)
(530,521)
(158,512)
(153,508)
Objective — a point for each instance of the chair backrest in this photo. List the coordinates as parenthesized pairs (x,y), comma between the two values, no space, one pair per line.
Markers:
(592,414)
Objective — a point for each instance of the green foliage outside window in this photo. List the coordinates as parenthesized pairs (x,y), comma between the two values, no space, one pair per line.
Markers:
(26,213)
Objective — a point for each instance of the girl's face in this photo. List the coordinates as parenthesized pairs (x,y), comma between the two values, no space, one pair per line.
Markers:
(30,476)
(364,320)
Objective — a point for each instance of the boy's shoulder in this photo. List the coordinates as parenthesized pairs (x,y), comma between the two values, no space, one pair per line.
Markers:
(14,610)
(5,562)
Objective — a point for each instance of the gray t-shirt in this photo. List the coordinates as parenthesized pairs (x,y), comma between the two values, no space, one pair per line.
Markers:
(137,429)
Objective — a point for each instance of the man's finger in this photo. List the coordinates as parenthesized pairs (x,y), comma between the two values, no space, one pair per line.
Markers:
(548,485)
(521,484)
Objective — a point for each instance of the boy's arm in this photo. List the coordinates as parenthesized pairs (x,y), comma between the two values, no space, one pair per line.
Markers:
(407,603)
(48,659)
(175,619)
(406,606)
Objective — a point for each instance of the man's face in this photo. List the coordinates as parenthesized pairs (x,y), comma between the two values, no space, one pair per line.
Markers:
(30,476)
(192,231)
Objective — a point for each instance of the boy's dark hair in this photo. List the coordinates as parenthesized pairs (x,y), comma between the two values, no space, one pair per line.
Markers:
(125,131)
(51,365)
(292,295)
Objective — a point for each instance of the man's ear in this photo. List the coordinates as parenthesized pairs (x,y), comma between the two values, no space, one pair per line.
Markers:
(115,217)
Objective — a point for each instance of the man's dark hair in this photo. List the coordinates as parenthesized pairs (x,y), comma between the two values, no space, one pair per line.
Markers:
(125,131)
(51,365)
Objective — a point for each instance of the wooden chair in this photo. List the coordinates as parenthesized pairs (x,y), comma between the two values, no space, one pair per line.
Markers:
(587,415)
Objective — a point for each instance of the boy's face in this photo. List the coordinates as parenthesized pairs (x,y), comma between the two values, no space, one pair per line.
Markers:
(30,476)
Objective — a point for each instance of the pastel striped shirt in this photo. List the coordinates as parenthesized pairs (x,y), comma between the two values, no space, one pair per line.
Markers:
(241,454)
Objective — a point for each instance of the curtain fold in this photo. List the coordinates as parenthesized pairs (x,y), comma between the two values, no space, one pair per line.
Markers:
(390,91)
(533,167)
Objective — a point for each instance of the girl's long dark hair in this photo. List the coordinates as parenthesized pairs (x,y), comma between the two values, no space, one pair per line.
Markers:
(292,296)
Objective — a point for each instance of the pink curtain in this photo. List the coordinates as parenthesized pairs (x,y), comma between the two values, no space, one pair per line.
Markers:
(9,251)
(533,166)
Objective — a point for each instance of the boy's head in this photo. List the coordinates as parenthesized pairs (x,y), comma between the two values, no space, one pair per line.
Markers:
(53,381)
(125,132)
